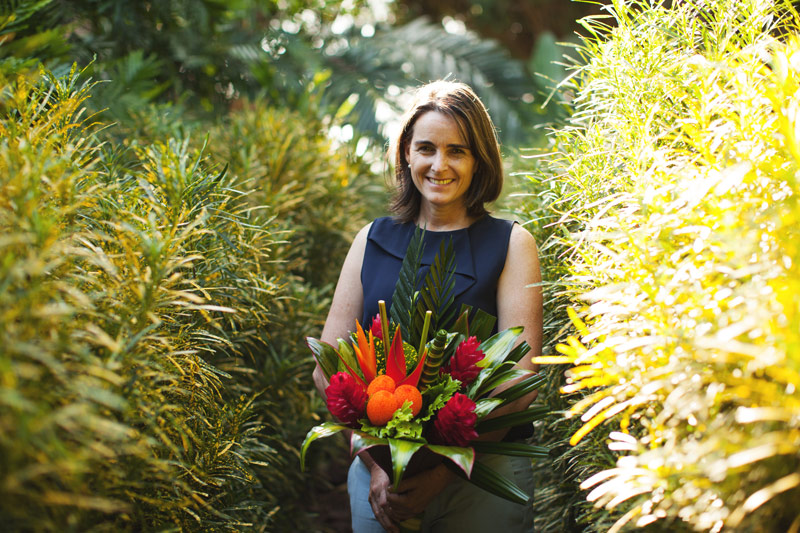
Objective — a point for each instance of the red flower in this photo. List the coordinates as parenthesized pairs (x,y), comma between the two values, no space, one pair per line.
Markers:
(455,422)
(347,399)
(376,329)
(463,364)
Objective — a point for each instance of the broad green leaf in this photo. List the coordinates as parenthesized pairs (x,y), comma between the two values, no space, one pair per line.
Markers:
(325,429)
(518,352)
(481,324)
(496,349)
(490,481)
(461,324)
(524,387)
(534,412)
(325,354)
(484,406)
(464,458)
(502,374)
(361,441)
(402,451)
(499,346)
(518,449)
(349,357)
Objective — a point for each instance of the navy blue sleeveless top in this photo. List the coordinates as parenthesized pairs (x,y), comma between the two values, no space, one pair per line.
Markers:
(480,257)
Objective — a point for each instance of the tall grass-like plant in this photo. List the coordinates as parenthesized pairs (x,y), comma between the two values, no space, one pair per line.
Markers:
(669,203)
(121,277)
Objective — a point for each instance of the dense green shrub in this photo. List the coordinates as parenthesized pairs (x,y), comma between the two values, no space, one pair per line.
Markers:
(319,195)
(112,293)
(668,210)
(153,303)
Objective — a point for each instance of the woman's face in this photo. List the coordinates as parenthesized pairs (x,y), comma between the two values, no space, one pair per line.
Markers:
(441,162)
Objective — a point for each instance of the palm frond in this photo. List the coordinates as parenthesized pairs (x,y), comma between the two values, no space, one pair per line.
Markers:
(437,293)
(405,291)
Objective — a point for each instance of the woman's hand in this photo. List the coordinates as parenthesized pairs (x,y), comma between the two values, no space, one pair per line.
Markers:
(378,498)
(415,493)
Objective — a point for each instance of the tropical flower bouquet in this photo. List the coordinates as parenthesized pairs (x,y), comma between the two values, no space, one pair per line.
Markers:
(413,405)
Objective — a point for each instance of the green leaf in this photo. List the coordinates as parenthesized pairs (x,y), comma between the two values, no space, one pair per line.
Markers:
(516,449)
(349,357)
(499,346)
(534,412)
(435,396)
(404,295)
(437,293)
(325,429)
(518,352)
(461,324)
(490,481)
(496,350)
(498,376)
(403,425)
(402,451)
(485,406)
(481,324)
(326,356)
(361,441)
(523,387)
(464,458)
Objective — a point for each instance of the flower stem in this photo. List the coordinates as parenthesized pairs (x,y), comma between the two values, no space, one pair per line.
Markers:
(423,339)
(384,325)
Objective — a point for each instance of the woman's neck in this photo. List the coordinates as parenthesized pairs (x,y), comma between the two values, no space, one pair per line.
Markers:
(443,219)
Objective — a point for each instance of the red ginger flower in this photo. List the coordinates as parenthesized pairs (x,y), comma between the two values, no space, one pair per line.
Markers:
(463,364)
(376,329)
(347,399)
(455,422)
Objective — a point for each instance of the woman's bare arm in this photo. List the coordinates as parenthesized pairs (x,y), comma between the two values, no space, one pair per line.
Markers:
(519,300)
(347,304)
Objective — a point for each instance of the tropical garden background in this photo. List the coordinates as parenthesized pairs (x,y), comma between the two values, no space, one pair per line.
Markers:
(179,181)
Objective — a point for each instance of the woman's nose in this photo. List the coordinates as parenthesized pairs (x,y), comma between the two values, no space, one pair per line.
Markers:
(439,162)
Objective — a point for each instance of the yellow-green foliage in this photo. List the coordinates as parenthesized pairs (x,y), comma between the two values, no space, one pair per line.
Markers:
(319,195)
(113,287)
(143,287)
(675,186)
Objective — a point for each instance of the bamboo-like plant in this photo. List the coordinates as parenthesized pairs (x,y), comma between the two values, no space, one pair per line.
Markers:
(671,199)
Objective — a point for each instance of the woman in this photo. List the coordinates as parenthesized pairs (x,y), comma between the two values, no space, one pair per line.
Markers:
(447,166)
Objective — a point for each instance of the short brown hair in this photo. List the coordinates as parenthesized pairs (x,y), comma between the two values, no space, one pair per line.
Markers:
(459,102)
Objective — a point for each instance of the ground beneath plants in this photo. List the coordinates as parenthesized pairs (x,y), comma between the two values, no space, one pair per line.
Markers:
(328,498)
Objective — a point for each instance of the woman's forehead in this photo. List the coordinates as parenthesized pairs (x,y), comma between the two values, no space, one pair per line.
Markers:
(436,126)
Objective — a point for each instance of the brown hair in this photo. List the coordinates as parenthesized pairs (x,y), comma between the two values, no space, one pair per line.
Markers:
(459,102)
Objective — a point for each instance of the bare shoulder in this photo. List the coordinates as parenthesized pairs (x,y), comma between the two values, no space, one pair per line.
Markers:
(521,240)
(355,256)
(361,236)
(522,250)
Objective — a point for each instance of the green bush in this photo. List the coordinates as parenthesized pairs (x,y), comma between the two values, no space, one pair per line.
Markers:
(112,294)
(668,210)
(319,195)
(153,303)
